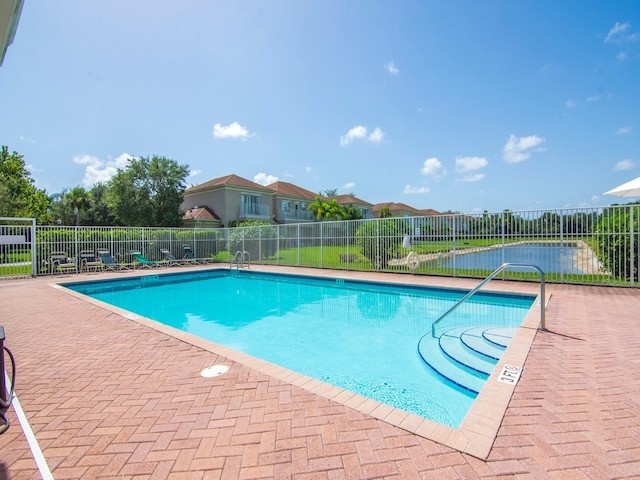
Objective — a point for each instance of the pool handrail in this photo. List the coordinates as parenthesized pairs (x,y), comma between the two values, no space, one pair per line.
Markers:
(488,279)
(239,260)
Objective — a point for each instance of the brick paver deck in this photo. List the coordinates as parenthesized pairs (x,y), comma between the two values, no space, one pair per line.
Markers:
(109,397)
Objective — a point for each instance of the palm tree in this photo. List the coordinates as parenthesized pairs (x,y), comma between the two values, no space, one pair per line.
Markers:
(78,199)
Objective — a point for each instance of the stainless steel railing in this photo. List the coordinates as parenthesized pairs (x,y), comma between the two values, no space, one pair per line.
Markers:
(502,267)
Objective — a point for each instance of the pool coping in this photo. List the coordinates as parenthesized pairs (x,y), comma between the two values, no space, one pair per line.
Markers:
(475,435)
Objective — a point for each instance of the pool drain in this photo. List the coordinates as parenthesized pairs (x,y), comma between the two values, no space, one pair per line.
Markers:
(214,371)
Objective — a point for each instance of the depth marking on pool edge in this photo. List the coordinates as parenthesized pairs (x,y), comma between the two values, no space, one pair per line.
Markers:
(510,374)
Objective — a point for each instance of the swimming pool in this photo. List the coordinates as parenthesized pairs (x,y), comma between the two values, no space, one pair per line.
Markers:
(550,257)
(360,336)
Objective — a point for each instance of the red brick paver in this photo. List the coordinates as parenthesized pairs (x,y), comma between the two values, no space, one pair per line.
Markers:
(108,397)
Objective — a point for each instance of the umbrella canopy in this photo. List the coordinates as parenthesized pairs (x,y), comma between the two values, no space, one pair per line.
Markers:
(629,189)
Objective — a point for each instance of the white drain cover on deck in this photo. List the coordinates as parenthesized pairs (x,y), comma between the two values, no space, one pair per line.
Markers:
(214,371)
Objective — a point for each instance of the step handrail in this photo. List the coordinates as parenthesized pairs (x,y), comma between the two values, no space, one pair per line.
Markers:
(239,260)
(487,280)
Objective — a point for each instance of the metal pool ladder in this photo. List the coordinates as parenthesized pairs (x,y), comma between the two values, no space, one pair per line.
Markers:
(241,259)
(489,278)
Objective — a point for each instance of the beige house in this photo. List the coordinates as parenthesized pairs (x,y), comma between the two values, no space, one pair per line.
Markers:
(224,201)
(291,203)
(231,199)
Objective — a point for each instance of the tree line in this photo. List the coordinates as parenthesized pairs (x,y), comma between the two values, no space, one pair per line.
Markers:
(147,192)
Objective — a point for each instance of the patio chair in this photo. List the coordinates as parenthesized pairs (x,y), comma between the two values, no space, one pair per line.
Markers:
(62,263)
(89,262)
(109,262)
(171,260)
(188,255)
(144,262)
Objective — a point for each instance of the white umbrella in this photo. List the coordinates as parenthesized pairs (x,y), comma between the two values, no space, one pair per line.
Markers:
(629,189)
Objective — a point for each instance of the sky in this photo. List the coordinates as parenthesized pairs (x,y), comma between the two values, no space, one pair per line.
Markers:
(456,105)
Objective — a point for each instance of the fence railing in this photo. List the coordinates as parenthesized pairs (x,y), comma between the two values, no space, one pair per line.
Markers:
(598,246)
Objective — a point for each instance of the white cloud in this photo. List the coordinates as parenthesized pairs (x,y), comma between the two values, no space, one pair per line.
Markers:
(433,167)
(391,68)
(233,130)
(517,150)
(376,136)
(621,57)
(360,132)
(194,173)
(617,33)
(469,164)
(472,178)
(623,130)
(594,98)
(99,171)
(409,190)
(571,104)
(348,186)
(357,132)
(624,165)
(264,179)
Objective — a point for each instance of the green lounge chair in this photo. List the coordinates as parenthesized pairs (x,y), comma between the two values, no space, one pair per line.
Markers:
(144,262)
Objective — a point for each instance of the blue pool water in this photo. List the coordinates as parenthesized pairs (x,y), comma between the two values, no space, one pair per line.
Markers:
(550,257)
(361,336)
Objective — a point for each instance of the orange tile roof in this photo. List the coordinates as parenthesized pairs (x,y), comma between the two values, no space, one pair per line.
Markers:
(227,181)
(286,189)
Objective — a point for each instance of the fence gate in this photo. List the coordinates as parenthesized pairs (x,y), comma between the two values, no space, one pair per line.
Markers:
(17,248)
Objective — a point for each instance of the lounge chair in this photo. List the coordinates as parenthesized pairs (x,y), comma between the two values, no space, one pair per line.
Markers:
(62,263)
(89,262)
(109,262)
(144,262)
(171,260)
(188,255)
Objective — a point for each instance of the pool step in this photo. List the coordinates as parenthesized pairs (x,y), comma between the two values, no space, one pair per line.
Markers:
(465,355)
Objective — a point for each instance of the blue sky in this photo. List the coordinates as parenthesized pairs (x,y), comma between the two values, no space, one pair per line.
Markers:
(451,105)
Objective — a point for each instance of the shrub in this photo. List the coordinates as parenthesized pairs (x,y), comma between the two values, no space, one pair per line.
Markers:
(259,238)
(379,241)
(613,233)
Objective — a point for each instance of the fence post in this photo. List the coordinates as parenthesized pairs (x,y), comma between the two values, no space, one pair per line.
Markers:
(631,245)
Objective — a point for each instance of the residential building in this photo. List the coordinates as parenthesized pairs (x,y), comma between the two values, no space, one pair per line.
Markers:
(225,201)
(291,203)
(231,199)
(396,209)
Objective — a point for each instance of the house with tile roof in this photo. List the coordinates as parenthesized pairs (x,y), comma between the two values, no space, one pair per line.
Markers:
(396,209)
(291,203)
(231,199)
(224,201)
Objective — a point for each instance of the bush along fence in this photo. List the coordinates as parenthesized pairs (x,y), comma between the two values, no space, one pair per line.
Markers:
(596,246)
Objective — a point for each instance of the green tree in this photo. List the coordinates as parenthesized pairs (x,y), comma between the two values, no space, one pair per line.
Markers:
(148,192)
(257,237)
(78,200)
(98,212)
(351,213)
(379,241)
(18,195)
(614,233)
(324,210)
(330,192)
(385,212)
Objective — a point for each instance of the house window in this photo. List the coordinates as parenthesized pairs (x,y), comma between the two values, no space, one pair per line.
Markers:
(286,206)
(251,204)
